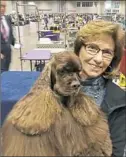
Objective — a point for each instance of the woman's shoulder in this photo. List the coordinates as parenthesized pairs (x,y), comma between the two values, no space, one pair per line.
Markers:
(114,99)
(112,88)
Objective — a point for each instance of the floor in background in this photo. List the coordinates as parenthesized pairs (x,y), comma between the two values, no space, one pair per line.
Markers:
(29,39)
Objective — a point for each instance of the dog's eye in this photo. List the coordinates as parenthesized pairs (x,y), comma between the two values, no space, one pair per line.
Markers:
(68,69)
(71,73)
(60,71)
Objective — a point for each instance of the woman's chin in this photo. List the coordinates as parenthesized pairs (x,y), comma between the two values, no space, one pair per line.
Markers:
(94,74)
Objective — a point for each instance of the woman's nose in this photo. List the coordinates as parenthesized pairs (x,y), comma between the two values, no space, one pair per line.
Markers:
(98,58)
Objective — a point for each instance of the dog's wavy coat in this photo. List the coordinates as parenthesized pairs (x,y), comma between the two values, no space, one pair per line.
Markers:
(39,125)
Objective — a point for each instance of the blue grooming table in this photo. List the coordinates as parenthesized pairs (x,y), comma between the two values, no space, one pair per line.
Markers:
(14,85)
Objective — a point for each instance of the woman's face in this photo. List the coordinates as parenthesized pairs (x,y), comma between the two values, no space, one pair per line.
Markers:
(96,55)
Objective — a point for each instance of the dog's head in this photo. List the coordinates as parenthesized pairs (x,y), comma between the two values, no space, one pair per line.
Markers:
(65,70)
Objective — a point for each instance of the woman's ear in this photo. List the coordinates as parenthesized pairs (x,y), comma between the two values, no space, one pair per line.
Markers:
(110,67)
(78,43)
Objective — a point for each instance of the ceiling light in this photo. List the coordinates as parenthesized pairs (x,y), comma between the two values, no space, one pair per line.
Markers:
(108,5)
(31,3)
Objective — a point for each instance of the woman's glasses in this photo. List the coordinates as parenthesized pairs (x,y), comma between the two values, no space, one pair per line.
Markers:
(93,50)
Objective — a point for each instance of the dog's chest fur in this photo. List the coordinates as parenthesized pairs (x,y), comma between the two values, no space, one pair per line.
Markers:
(73,138)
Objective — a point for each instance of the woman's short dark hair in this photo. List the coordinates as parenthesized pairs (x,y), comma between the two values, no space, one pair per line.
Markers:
(97,27)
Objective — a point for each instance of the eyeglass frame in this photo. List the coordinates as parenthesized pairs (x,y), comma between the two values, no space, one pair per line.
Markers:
(97,51)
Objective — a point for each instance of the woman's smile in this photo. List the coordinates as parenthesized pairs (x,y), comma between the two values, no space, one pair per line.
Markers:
(95,67)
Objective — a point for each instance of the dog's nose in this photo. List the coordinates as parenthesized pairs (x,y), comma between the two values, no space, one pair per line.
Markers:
(75,84)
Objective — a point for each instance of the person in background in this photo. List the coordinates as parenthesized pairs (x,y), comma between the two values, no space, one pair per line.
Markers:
(7,38)
(99,45)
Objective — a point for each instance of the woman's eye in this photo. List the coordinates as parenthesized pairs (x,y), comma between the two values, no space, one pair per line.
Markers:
(91,48)
(107,52)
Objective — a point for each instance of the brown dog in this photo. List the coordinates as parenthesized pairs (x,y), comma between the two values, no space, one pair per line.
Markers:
(55,118)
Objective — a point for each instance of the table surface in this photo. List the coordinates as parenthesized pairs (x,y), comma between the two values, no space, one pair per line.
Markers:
(72,28)
(60,42)
(14,85)
(37,54)
(45,30)
(52,50)
(52,35)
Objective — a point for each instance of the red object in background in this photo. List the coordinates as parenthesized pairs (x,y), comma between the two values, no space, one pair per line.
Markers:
(123,64)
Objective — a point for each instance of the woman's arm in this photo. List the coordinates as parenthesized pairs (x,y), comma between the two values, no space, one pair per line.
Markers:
(117,124)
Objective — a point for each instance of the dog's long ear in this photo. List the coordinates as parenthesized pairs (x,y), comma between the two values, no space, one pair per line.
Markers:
(53,74)
(36,112)
(44,80)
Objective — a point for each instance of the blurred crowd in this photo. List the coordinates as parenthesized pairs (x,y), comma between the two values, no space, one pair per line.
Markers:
(64,20)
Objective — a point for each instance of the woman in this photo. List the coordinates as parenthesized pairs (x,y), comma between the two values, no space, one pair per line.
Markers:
(99,45)
(123,63)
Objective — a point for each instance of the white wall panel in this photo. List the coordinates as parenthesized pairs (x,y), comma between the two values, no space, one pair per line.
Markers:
(58,6)
(9,7)
(53,6)
(122,8)
(72,5)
